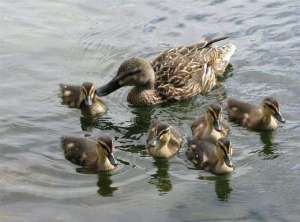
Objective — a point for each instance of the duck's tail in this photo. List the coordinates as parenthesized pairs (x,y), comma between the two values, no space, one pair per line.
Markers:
(212,41)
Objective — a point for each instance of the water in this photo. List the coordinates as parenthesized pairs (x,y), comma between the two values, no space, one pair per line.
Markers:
(44,43)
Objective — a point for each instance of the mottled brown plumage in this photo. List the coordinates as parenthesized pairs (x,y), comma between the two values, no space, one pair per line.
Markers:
(176,74)
(211,125)
(163,141)
(263,117)
(82,97)
(211,156)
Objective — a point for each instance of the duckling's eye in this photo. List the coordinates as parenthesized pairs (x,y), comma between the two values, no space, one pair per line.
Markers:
(197,156)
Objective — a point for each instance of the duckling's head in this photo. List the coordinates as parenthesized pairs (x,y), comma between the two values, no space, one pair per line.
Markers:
(271,106)
(133,72)
(214,116)
(88,91)
(159,135)
(105,148)
(225,151)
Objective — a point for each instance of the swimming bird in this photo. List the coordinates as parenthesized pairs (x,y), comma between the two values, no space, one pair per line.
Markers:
(175,74)
(263,117)
(211,156)
(92,155)
(83,97)
(211,125)
(163,141)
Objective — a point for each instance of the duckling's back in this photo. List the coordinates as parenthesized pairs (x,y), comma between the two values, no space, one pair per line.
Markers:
(80,151)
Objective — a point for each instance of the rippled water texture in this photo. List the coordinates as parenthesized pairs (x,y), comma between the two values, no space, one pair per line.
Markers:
(44,43)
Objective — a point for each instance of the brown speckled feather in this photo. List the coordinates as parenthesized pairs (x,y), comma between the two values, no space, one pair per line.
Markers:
(189,70)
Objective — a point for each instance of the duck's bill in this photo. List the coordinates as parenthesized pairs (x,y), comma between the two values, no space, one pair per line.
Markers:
(279,117)
(88,101)
(227,160)
(217,125)
(113,85)
(112,159)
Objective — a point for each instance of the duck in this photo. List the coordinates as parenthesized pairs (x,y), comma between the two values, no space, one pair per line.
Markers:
(174,75)
(93,155)
(84,98)
(211,125)
(211,156)
(262,117)
(163,141)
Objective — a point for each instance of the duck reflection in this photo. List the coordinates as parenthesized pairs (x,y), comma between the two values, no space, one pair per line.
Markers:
(222,186)
(269,148)
(140,122)
(88,123)
(161,178)
(105,184)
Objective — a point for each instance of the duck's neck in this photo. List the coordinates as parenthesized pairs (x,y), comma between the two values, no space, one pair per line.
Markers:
(268,120)
(209,125)
(103,162)
(143,95)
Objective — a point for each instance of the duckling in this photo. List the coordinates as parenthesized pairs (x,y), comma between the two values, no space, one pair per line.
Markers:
(92,155)
(84,98)
(176,74)
(263,117)
(163,141)
(211,156)
(210,126)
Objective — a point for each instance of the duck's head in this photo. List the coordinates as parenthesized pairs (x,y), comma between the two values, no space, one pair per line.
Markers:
(159,135)
(214,116)
(105,148)
(271,106)
(225,151)
(133,72)
(88,93)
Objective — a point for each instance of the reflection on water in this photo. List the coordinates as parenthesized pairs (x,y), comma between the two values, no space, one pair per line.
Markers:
(105,184)
(161,178)
(140,123)
(222,186)
(268,150)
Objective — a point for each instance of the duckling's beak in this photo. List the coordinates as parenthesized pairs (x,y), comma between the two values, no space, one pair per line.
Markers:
(279,117)
(88,101)
(227,160)
(108,88)
(112,159)
(217,125)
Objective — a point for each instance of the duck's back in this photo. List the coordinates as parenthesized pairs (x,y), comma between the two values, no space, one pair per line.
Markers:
(70,95)
(186,71)
(80,151)
(239,110)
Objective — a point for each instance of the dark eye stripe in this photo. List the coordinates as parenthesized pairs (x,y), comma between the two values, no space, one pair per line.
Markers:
(272,106)
(104,145)
(163,131)
(131,72)
(224,148)
(212,112)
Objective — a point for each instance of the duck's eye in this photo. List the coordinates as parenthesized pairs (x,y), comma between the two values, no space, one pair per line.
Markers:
(197,156)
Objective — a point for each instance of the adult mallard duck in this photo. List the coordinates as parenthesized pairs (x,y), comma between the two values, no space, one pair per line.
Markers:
(92,155)
(176,74)
(263,117)
(163,141)
(82,97)
(211,125)
(211,156)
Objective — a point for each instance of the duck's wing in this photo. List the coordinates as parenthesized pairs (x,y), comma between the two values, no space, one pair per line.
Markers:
(239,110)
(80,151)
(70,95)
(185,71)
